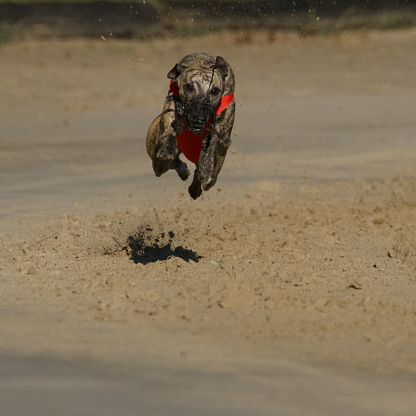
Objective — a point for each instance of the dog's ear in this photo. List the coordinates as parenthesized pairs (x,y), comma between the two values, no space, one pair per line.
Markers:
(176,71)
(221,65)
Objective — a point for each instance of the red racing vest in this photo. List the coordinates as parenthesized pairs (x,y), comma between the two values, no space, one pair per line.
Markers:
(189,143)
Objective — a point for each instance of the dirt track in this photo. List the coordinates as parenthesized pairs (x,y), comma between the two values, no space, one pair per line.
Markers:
(303,255)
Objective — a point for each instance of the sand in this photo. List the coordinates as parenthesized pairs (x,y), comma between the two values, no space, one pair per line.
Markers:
(303,256)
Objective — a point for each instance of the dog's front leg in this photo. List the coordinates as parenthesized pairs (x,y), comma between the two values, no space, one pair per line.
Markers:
(195,189)
(214,151)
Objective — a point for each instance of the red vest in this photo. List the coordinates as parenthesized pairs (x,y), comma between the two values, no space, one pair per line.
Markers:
(189,143)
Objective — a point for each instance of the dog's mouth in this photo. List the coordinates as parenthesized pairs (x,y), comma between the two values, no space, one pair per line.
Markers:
(196,128)
(198,116)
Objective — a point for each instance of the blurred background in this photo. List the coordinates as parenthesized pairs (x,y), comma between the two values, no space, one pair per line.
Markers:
(159,18)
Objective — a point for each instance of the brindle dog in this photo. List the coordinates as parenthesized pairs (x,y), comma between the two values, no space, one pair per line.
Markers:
(200,81)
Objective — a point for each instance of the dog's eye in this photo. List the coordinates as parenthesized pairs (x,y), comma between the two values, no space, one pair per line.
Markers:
(215,91)
(188,87)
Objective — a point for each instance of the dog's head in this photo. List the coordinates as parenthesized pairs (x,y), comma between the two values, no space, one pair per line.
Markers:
(200,79)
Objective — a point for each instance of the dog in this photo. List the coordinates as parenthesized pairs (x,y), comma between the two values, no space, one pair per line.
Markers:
(197,119)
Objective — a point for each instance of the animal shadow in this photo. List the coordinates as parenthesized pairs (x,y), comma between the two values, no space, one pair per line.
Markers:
(143,248)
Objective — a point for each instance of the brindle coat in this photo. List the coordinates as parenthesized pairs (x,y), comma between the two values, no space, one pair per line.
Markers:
(202,81)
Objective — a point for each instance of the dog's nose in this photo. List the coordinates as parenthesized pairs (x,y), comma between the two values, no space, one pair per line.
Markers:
(203,108)
(200,120)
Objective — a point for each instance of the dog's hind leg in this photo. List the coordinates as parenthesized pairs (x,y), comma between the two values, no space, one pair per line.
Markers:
(181,169)
(161,142)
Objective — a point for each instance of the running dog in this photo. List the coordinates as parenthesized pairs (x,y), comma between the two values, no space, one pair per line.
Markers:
(197,119)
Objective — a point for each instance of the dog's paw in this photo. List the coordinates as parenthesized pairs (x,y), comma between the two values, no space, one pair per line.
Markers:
(208,183)
(183,171)
(195,191)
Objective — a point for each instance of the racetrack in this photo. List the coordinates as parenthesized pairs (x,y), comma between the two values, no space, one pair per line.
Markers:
(289,288)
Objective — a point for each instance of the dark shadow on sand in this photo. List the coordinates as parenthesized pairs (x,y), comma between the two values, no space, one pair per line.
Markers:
(144,253)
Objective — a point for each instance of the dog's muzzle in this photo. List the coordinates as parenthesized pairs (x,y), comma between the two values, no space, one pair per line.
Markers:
(198,114)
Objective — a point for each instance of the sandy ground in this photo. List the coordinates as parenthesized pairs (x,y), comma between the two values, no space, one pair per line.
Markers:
(288,289)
